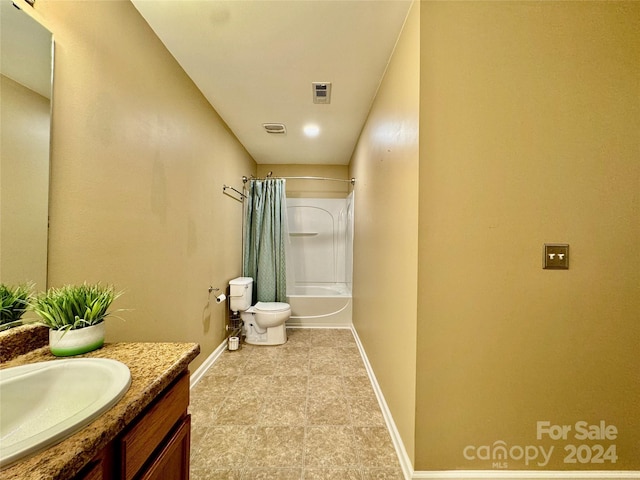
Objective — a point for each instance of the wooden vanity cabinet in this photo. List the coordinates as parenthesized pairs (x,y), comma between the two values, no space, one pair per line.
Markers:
(155,446)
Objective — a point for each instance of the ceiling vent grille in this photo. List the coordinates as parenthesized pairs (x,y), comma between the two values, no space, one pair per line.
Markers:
(321,92)
(275,128)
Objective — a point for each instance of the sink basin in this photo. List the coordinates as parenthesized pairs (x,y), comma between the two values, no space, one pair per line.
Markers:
(43,403)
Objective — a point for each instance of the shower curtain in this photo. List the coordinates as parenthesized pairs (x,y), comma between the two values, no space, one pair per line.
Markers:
(265,239)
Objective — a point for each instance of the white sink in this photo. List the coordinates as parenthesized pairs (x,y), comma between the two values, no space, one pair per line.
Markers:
(43,403)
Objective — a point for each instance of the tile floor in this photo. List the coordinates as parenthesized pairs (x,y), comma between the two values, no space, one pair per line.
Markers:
(304,410)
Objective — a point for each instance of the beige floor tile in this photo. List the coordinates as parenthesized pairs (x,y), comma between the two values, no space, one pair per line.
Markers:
(349,350)
(299,336)
(375,448)
(204,409)
(215,474)
(276,447)
(316,352)
(365,411)
(323,338)
(328,411)
(302,410)
(266,365)
(197,434)
(223,447)
(272,474)
(283,411)
(330,447)
(220,385)
(268,351)
(357,386)
(354,367)
(332,474)
(292,367)
(322,386)
(331,337)
(239,411)
(251,386)
(287,386)
(324,366)
(382,473)
(292,354)
(229,363)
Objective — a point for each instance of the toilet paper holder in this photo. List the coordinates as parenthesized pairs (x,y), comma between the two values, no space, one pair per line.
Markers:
(219,298)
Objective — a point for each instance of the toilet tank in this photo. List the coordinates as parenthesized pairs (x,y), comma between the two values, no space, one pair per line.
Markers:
(240,293)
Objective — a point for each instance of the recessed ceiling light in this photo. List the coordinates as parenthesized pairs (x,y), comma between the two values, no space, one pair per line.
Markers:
(311,130)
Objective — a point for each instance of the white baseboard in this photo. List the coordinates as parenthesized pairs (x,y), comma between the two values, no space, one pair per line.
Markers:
(206,365)
(403,457)
(410,474)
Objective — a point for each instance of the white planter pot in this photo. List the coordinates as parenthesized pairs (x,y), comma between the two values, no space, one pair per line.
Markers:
(64,343)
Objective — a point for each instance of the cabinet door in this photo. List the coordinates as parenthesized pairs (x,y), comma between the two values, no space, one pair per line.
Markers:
(92,473)
(150,431)
(172,463)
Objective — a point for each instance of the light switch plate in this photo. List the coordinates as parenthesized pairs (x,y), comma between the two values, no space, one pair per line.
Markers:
(556,256)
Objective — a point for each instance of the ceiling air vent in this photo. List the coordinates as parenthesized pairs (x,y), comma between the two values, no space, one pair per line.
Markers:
(321,92)
(275,128)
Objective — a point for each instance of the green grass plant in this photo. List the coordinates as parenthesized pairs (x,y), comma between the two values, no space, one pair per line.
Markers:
(14,301)
(72,307)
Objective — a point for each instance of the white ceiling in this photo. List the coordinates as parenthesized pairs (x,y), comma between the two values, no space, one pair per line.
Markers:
(254,61)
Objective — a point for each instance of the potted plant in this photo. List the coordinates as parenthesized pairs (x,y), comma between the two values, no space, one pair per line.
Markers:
(14,301)
(75,316)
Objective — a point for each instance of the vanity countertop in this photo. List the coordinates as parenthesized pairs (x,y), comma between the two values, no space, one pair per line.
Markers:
(153,367)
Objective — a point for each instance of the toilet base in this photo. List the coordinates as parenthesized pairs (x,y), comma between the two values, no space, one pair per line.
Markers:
(273,336)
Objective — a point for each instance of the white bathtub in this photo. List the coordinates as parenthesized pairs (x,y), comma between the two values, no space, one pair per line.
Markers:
(320,305)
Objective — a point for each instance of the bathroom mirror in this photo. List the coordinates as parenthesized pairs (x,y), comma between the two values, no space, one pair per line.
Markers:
(26,67)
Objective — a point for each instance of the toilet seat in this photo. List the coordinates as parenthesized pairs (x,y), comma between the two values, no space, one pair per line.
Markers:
(271,307)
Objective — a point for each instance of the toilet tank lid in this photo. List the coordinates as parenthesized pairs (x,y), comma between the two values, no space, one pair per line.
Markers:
(241,281)
(271,306)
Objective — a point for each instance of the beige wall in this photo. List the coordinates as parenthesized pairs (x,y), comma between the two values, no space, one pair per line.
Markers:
(529,133)
(138,163)
(385,164)
(311,188)
(24,184)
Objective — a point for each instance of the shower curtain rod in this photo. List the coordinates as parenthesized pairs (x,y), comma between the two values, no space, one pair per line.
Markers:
(352,181)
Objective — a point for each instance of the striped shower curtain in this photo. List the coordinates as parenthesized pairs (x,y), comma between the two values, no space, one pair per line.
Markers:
(265,237)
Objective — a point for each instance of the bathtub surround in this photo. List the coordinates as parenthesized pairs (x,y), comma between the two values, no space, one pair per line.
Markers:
(321,236)
(324,305)
(321,257)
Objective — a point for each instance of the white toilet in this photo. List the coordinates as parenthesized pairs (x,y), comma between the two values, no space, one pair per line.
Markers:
(264,323)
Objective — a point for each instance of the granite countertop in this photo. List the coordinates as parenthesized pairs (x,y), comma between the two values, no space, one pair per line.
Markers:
(153,367)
